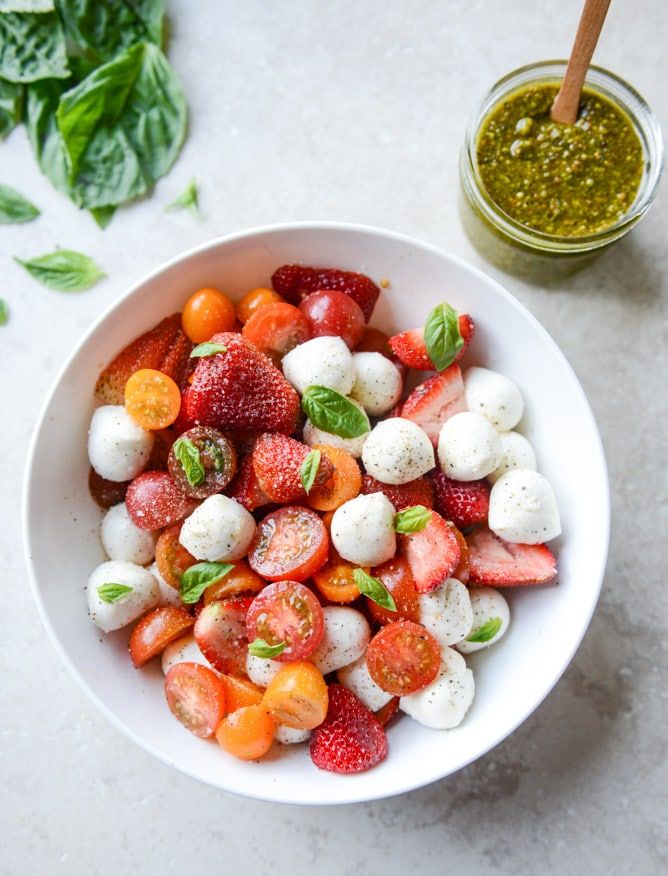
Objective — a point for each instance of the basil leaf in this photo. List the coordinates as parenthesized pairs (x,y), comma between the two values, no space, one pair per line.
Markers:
(32,47)
(374,589)
(188,455)
(188,199)
(14,208)
(64,270)
(111,593)
(26,6)
(207,349)
(260,648)
(413,519)
(103,215)
(442,336)
(4,312)
(309,469)
(334,413)
(40,119)
(487,631)
(10,106)
(197,578)
(110,27)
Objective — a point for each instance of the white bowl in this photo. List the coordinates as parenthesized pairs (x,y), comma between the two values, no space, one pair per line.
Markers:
(61,520)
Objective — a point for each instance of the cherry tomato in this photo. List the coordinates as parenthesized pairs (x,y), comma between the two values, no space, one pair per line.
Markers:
(297,696)
(463,570)
(164,438)
(220,632)
(290,543)
(153,501)
(334,313)
(216,455)
(156,630)
(240,579)
(335,580)
(374,341)
(387,712)
(240,692)
(398,579)
(171,557)
(287,612)
(196,697)
(275,329)
(344,484)
(247,733)
(403,658)
(207,312)
(255,299)
(152,399)
(106,493)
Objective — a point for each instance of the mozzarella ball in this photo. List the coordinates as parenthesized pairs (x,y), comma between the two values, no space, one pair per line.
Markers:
(522,508)
(362,530)
(144,595)
(469,447)
(118,449)
(291,736)
(323,361)
(345,638)
(489,607)
(446,612)
(356,678)
(219,530)
(313,435)
(516,452)
(493,395)
(397,451)
(443,704)
(168,595)
(184,650)
(122,540)
(378,383)
(260,670)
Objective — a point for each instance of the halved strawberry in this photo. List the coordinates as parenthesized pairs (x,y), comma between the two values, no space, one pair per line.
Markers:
(417,492)
(277,461)
(498,563)
(409,346)
(245,487)
(465,503)
(241,389)
(433,553)
(436,400)
(296,282)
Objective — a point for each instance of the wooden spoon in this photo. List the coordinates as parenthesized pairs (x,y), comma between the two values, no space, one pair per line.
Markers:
(567,102)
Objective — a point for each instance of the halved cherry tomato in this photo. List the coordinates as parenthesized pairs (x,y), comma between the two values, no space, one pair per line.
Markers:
(398,579)
(240,692)
(247,733)
(156,630)
(275,329)
(387,712)
(164,438)
(343,485)
(171,557)
(106,493)
(255,299)
(240,579)
(290,543)
(334,313)
(220,632)
(336,582)
(374,341)
(153,500)
(287,612)
(207,312)
(152,399)
(403,658)
(217,457)
(196,697)
(463,570)
(297,696)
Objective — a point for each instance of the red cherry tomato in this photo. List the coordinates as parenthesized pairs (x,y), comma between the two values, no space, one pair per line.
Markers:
(156,630)
(287,612)
(334,313)
(154,500)
(216,455)
(289,544)
(276,329)
(398,580)
(196,697)
(106,493)
(403,658)
(220,632)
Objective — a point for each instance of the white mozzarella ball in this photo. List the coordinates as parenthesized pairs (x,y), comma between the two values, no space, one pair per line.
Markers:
(325,361)
(345,638)
(313,435)
(489,608)
(143,596)
(397,451)
(522,508)
(290,735)
(261,671)
(516,452)
(219,530)
(446,612)
(118,449)
(122,540)
(443,704)
(495,396)
(362,530)
(378,383)
(356,678)
(184,650)
(168,595)
(469,447)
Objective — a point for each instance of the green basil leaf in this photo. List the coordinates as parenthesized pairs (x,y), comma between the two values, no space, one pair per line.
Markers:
(334,413)
(4,312)
(64,270)
(14,208)
(10,106)
(32,47)
(103,215)
(109,27)
(260,648)
(188,455)
(487,631)
(374,589)
(188,199)
(442,336)
(197,578)
(26,6)
(309,469)
(207,349)
(42,100)
(111,593)
(413,519)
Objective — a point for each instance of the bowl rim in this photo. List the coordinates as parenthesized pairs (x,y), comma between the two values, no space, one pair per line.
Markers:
(257,231)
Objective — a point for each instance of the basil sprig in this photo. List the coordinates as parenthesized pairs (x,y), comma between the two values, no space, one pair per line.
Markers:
(309,469)
(187,200)
(14,208)
(260,648)
(486,632)
(197,578)
(188,455)
(374,589)
(207,349)
(334,413)
(112,592)
(413,519)
(442,336)
(63,270)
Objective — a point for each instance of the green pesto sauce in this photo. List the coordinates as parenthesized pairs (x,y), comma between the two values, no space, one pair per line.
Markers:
(566,180)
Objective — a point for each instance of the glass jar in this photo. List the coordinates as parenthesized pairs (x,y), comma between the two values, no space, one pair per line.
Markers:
(519,249)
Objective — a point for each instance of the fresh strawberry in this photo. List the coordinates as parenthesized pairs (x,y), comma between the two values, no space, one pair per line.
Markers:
(433,553)
(277,461)
(241,389)
(409,346)
(164,348)
(499,563)
(350,739)
(435,401)
(465,503)
(296,282)
(245,487)
(417,492)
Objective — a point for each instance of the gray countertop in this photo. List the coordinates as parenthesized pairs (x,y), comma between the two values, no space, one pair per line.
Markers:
(355,111)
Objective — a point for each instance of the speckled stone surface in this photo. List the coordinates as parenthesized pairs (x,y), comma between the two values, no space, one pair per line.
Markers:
(355,111)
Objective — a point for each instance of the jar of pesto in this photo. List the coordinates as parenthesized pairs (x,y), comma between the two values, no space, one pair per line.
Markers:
(540,199)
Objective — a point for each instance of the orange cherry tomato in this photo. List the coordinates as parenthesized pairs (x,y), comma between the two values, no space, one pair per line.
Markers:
(398,579)
(374,341)
(240,579)
(156,630)
(289,544)
(152,399)
(171,557)
(463,570)
(255,299)
(387,712)
(196,697)
(275,329)
(344,484)
(247,733)
(336,582)
(403,658)
(240,692)
(207,312)
(297,696)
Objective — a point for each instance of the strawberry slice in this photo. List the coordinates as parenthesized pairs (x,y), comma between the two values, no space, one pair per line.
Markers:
(245,487)
(463,503)
(409,346)
(241,389)
(499,563)
(436,400)
(417,492)
(164,348)
(277,462)
(433,554)
(296,282)
(350,739)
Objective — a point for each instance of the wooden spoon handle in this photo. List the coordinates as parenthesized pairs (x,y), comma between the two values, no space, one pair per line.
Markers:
(567,101)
